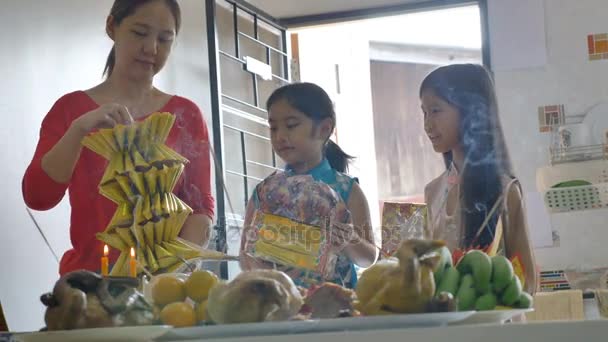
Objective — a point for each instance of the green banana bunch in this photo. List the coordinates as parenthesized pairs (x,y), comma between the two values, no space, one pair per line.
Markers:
(502,273)
(445,262)
(507,285)
(479,282)
(478,264)
(449,281)
(466,295)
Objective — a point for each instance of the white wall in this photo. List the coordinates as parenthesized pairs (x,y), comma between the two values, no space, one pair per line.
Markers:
(320,51)
(49,49)
(568,78)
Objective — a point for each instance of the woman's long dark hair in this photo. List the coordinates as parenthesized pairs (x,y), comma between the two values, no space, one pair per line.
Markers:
(314,102)
(125,8)
(470,89)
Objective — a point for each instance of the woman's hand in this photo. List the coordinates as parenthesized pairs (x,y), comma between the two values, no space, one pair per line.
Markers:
(105,116)
(59,162)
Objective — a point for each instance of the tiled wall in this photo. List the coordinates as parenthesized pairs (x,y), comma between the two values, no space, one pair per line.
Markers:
(598,46)
(550,116)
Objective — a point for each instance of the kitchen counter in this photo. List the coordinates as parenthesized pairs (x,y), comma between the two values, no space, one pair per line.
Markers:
(588,331)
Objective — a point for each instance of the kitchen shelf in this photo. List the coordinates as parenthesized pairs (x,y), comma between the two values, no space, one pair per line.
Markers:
(578,154)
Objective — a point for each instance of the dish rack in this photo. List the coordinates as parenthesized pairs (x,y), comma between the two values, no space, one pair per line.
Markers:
(561,155)
(584,197)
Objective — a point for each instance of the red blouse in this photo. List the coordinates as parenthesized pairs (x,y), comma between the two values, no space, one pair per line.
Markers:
(91,212)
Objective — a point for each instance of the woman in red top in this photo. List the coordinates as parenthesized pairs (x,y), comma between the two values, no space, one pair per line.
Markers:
(143,32)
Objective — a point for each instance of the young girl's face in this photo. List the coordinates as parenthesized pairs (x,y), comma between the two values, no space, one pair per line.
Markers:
(441,122)
(144,40)
(294,136)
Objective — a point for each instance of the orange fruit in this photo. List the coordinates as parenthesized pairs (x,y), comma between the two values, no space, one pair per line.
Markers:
(201,311)
(199,284)
(178,314)
(168,289)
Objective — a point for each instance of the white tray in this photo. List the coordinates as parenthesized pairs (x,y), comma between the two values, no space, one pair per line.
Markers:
(140,333)
(316,326)
(492,317)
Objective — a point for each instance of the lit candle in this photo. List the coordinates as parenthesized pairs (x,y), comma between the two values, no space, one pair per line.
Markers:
(132,264)
(104,261)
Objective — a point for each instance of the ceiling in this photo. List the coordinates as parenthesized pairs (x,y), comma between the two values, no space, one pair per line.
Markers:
(298,8)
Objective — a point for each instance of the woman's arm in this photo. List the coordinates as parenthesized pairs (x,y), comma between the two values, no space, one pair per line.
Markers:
(37,177)
(362,249)
(517,242)
(59,162)
(197,229)
(196,189)
(58,150)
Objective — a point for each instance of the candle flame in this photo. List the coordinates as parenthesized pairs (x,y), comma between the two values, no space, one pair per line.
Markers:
(106,251)
(132,252)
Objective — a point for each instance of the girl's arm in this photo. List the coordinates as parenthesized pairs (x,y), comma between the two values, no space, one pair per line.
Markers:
(362,249)
(517,242)
(428,199)
(248,262)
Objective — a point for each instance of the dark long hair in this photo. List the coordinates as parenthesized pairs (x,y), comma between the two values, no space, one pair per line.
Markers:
(314,102)
(470,89)
(125,8)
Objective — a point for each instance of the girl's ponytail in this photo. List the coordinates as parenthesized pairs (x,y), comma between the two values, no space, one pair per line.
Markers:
(314,102)
(337,158)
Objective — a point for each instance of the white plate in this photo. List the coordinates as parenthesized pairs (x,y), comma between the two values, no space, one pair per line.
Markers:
(140,333)
(492,317)
(316,326)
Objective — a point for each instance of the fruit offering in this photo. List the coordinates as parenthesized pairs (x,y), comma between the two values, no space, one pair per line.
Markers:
(83,299)
(481,282)
(140,177)
(254,296)
(402,285)
(180,299)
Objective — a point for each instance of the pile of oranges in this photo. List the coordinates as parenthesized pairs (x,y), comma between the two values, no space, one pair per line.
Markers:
(183,303)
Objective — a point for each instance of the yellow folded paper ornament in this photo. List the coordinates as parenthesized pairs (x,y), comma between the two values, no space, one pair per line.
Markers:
(151,259)
(123,216)
(120,135)
(159,230)
(152,180)
(113,240)
(126,236)
(137,179)
(148,229)
(140,163)
(113,192)
(121,267)
(108,137)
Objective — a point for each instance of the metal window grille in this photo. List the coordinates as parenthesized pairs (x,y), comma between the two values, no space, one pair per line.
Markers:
(240,129)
